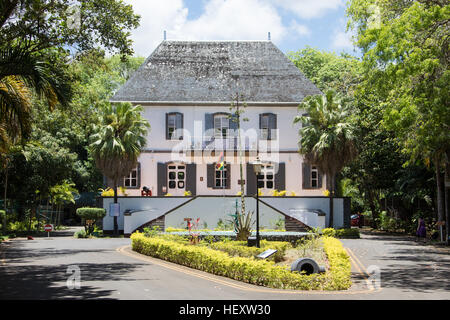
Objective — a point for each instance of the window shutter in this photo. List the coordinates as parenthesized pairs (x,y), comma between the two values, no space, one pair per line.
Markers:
(272,126)
(210,174)
(209,124)
(306,178)
(233,123)
(251,180)
(228,168)
(167,127)
(179,124)
(280,177)
(191,178)
(138,175)
(320,175)
(162,178)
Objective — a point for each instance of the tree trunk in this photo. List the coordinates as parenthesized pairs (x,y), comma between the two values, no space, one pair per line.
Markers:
(116,226)
(373,208)
(331,188)
(447,190)
(440,199)
(5,220)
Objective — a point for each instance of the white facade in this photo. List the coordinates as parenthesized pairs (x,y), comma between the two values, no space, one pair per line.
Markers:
(192,149)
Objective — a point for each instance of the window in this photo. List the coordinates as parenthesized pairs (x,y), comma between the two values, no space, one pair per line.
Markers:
(314,177)
(174,122)
(221,177)
(265,127)
(131,180)
(176,176)
(268,126)
(171,125)
(266,178)
(221,125)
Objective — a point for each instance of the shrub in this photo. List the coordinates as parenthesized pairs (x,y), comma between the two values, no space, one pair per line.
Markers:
(341,233)
(240,248)
(250,270)
(80,234)
(90,217)
(328,232)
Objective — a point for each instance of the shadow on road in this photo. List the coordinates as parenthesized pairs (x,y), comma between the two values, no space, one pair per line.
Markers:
(50,282)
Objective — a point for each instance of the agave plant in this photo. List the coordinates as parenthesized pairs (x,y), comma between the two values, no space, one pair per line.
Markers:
(243,225)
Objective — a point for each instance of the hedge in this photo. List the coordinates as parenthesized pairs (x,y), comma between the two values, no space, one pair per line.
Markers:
(341,233)
(250,270)
(240,248)
(91,213)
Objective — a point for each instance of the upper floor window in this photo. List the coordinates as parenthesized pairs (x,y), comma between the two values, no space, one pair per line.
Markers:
(221,125)
(268,126)
(174,122)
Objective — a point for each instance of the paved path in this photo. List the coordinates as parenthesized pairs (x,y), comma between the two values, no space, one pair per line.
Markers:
(38,269)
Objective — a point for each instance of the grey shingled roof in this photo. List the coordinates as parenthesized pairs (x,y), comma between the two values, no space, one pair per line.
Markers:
(212,71)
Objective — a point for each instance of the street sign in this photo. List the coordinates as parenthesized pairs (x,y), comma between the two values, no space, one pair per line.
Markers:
(48,228)
(114,209)
(440,223)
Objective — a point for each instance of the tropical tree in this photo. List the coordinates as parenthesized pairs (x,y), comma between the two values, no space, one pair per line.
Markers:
(326,137)
(405,47)
(118,141)
(23,75)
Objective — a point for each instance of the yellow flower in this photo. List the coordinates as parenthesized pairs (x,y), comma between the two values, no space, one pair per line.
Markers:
(326,193)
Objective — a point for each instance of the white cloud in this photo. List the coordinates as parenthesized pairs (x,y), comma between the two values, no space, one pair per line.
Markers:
(308,9)
(341,39)
(233,20)
(299,29)
(220,20)
(156,16)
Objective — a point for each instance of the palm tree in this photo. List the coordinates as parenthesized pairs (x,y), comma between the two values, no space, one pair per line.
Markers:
(326,137)
(23,75)
(118,141)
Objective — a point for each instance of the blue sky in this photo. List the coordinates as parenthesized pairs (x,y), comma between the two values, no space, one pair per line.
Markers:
(293,24)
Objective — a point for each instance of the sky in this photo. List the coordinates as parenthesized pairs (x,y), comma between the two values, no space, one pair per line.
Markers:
(293,24)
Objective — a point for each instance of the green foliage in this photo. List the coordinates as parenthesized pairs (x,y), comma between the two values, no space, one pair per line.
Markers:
(81,234)
(118,140)
(405,59)
(250,270)
(327,136)
(240,248)
(152,232)
(91,213)
(327,70)
(341,233)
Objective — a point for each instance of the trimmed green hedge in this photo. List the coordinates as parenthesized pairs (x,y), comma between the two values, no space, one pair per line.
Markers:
(240,248)
(91,213)
(250,270)
(341,233)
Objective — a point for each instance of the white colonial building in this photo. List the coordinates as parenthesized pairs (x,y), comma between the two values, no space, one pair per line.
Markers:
(186,89)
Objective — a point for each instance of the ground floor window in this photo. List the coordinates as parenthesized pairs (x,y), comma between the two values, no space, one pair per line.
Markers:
(131,180)
(266,178)
(176,176)
(314,177)
(221,174)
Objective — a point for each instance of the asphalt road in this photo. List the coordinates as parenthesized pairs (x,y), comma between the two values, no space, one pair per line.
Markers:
(384,267)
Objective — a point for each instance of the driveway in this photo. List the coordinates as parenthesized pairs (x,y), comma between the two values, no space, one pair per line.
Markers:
(108,269)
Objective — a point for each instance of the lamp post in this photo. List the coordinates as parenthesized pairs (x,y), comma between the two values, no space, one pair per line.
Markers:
(257,169)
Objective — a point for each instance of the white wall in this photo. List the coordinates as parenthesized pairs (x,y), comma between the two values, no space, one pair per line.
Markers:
(211,209)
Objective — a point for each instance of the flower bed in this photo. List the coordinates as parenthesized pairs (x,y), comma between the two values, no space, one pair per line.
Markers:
(248,269)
